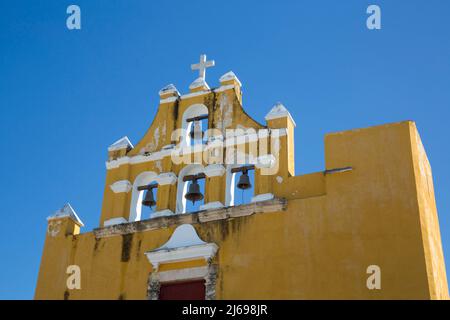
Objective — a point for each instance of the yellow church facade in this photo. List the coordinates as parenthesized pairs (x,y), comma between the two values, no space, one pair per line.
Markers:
(366,227)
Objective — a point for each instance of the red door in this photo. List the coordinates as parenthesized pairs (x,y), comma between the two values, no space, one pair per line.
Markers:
(192,290)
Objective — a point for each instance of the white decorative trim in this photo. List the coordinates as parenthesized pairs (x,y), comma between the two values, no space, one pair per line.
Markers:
(184,244)
(166,178)
(214,170)
(120,144)
(64,212)
(112,164)
(262,197)
(162,213)
(159,155)
(183,274)
(194,94)
(230,76)
(224,88)
(279,111)
(169,89)
(168,100)
(114,221)
(212,205)
(121,186)
(202,251)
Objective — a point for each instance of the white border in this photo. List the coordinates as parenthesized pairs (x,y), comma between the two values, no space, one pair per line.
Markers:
(205,251)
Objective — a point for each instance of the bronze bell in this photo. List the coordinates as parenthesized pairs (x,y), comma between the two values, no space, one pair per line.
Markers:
(149,199)
(194,193)
(244,181)
(196,132)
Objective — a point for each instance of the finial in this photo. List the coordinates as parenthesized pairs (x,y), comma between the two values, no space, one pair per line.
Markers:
(66,211)
(279,111)
(228,77)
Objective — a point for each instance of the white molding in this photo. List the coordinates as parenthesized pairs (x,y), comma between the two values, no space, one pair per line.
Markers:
(154,156)
(202,251)
(224,88)
(120,144)
(211,205)
(169,89)
(194,94)
(66,212)
(168,100)
(112,164)
(114,221)
(186,150)
(262,197)
(214,170)
(121,186)
(184,244)
(166,178)
(162,213)
(183,274)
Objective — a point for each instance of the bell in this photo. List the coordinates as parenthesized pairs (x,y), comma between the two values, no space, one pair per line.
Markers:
(244,181)
(149,199)
(194,193)
(196,132)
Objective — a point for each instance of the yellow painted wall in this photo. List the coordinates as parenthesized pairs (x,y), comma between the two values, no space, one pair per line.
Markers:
(381,213)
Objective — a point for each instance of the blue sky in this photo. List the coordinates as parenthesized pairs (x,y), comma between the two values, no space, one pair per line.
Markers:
(65,96)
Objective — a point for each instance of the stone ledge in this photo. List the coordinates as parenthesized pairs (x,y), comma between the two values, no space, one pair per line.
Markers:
(272,205)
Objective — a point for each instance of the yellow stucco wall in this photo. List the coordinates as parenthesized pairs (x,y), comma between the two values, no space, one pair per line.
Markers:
(382,212)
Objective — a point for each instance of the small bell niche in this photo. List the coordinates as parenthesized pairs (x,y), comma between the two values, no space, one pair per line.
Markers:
(244,187)
(197,189)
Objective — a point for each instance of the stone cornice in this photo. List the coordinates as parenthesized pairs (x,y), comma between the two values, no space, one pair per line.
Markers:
(273,205)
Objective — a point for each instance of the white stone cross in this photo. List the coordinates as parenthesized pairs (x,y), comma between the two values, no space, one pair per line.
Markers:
(202,65)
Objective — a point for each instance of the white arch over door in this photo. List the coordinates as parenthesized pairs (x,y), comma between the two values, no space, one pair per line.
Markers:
(144,178)
(182,185)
